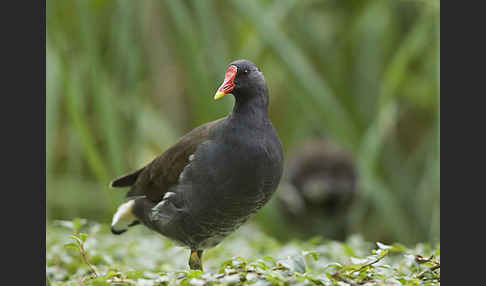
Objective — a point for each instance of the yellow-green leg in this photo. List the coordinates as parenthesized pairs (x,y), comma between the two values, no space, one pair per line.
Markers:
(195,260)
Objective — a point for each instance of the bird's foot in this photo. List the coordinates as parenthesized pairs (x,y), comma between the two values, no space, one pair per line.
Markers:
(195,260)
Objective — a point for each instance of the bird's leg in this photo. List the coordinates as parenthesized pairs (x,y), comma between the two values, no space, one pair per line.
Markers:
(195,260)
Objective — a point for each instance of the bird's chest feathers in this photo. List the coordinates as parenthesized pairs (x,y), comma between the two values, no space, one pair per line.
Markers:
(237,163)
(245,149)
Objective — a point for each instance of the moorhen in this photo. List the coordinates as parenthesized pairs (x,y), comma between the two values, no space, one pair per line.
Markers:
(209,183)
(319,189)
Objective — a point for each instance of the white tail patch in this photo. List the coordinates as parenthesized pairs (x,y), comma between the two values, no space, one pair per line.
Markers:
(123,216)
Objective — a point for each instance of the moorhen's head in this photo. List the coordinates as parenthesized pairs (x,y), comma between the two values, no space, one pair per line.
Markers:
(244,80)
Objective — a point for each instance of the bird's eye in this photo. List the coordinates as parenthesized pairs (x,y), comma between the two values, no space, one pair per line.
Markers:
(245,71)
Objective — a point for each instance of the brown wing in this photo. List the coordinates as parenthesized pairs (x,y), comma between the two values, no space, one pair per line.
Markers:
(154,180)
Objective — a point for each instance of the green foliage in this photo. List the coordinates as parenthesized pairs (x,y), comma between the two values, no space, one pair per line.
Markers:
(140,257)
(125,79)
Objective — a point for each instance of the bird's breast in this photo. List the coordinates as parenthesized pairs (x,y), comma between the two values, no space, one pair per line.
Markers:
(230,177)
(233,175)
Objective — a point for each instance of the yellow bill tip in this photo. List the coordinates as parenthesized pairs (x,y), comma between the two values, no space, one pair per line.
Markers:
(218,95)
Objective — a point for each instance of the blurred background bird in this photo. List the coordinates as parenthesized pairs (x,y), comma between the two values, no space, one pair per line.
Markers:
(318,190)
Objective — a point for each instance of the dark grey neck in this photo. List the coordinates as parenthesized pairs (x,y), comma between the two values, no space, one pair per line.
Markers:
(251,105)
(249,115)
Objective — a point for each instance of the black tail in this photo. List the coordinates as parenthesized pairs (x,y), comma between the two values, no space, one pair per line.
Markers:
(126,180)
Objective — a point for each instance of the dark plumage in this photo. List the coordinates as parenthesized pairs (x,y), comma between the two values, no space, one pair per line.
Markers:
(209,183)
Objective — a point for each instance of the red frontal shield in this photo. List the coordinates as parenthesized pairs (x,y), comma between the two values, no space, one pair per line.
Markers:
(229,78)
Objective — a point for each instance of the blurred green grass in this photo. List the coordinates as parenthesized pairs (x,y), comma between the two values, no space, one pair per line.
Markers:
(125,79)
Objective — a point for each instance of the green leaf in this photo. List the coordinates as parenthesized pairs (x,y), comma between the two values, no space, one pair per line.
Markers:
(312,254)
(194,274)
(83,237)
(77,239)
(71,245)
(134,274)
(110,274)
